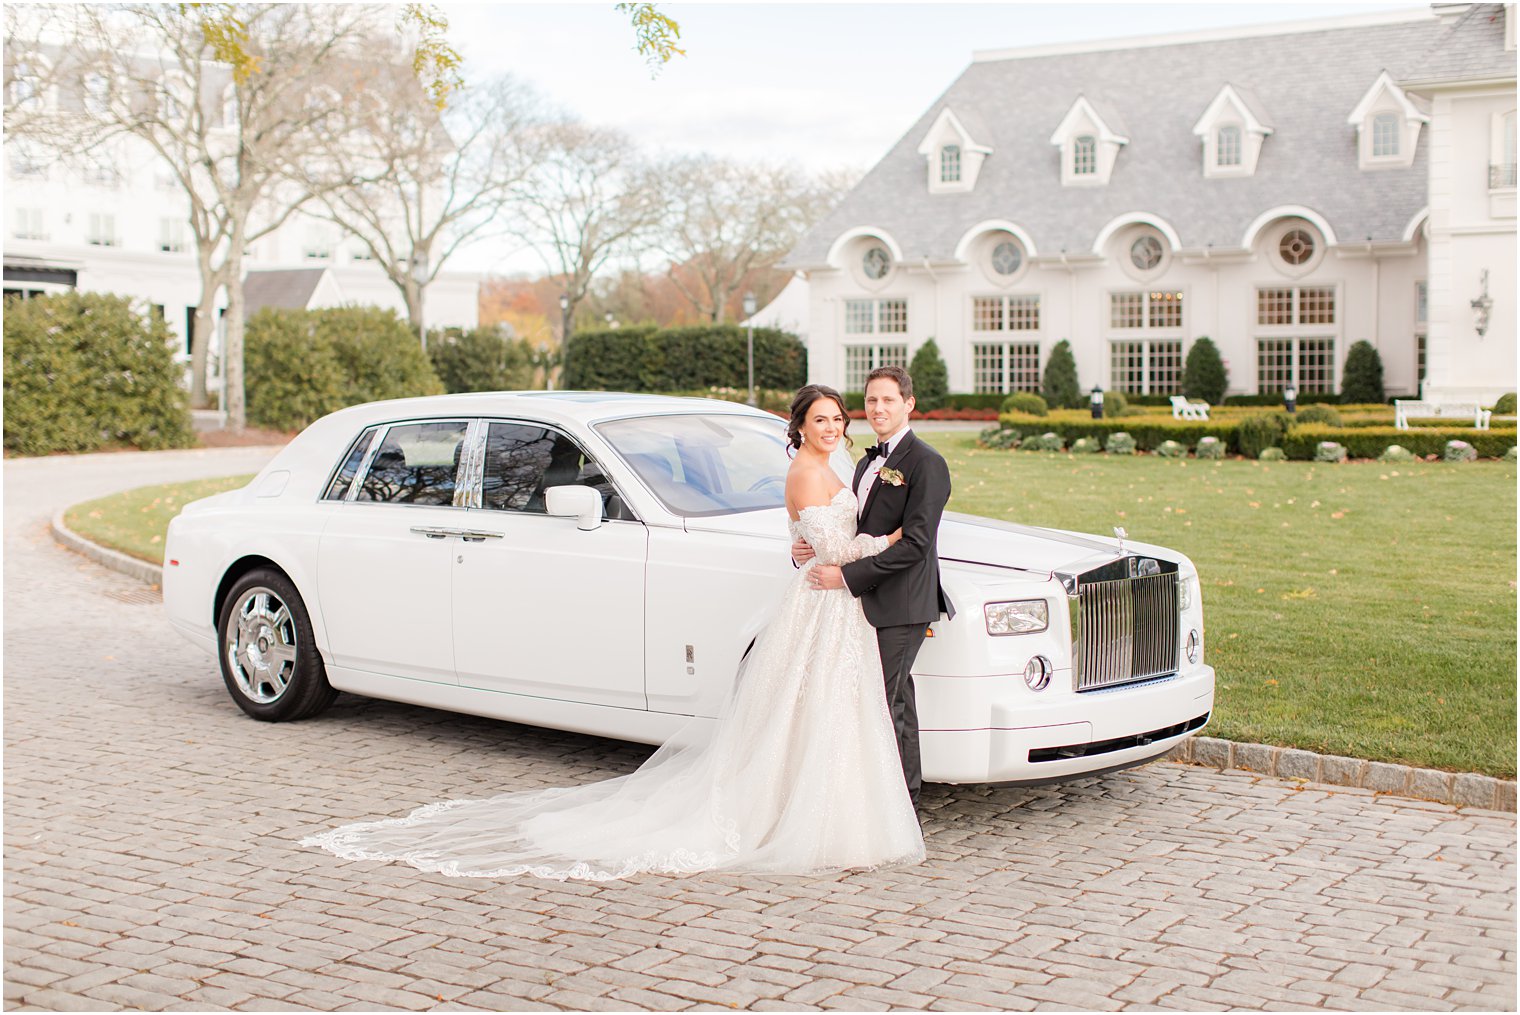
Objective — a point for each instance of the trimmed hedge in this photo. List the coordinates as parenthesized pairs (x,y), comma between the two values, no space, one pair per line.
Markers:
(1026,402)
(857,400)
(480,359)
(647,358)
(303,364)
(88,370)
(1275,398)
(1370,442)
(1311,414)
(1148,431)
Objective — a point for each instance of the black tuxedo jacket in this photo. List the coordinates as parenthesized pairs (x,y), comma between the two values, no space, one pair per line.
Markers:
(901,584)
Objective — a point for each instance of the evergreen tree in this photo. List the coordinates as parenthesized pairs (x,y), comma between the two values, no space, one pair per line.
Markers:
(1059,385)
(931,380)
(1204,375)
(1362,382)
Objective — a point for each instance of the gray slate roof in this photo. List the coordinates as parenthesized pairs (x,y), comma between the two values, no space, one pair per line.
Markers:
(1305,83)
(1470,49)
(283,289)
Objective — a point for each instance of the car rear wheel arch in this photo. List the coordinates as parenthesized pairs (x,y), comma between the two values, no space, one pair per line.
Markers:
(239,568)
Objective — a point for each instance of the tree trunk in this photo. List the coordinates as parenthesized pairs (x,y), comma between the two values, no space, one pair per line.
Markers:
(415,293)
(201,330)
(232,356)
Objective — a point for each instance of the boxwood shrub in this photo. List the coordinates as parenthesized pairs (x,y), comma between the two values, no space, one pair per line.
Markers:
(302,364)
(1026,402)
(1171,449)
(479,359)
(1369,442)
(88,370)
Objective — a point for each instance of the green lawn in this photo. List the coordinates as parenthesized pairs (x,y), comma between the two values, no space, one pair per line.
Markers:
(135,521)
(1362,609)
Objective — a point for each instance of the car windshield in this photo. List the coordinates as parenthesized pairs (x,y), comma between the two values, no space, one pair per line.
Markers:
(705,464)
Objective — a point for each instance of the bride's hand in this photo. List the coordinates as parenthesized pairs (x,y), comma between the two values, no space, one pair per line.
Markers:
(893,537)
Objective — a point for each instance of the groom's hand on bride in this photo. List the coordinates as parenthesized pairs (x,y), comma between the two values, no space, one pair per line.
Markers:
(802,552)
(826,576)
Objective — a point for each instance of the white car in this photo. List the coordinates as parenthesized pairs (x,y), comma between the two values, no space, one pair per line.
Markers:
(601,562)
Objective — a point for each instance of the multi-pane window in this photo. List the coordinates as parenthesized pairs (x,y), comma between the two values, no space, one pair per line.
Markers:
(1145,253)
(1227,146)
(1160,309)
(1005,313)
(1152,367)
(1421,302)
(1084,156)
(1419,360)
(1296,305)
(102,230)
(876,263)
(860,360)
(171,235)
(1307,363)
(950,164)
(1296,247)
(1385,135)
(318,246)
(1002,368)
(1007,258)
(27,224)
(871,317)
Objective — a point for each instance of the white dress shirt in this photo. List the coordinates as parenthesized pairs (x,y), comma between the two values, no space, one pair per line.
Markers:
(869,476)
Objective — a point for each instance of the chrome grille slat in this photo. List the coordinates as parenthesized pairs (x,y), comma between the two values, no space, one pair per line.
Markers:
(1127,630)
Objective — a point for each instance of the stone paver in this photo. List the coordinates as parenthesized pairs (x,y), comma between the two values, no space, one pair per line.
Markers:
(150,858)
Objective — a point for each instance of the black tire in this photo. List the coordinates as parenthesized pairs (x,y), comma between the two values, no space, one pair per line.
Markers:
(268,656)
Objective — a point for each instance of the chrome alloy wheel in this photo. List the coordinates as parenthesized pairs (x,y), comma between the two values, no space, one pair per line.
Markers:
(261,645)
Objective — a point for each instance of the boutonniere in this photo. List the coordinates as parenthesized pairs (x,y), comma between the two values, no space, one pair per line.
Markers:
(891,477)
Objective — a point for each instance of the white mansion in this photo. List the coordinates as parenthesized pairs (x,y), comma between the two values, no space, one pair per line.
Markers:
(1285,191)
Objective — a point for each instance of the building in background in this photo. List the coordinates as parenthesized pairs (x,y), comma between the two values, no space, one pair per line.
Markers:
(1270,188)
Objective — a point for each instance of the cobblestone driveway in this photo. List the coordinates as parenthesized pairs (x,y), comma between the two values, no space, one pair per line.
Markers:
(150,858)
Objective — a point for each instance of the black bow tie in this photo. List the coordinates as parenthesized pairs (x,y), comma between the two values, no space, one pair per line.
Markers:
(876,450)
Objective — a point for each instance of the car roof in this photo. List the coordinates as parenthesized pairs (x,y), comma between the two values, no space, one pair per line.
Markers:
(582,407)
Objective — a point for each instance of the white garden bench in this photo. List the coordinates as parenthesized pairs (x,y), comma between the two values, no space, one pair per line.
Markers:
(1405,409)
(1183,409)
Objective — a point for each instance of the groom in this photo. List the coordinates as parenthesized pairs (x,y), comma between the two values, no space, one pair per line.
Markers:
(900,483)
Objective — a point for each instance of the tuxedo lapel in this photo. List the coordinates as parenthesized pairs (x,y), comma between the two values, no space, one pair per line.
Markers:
(893,461)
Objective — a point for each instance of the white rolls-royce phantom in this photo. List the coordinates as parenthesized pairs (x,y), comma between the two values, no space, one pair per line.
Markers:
(601,562)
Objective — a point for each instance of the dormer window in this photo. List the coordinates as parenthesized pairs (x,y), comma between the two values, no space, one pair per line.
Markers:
(1227,146)
(954,149)
(1387,123)
(950,164)
(1089,136)
(1232,129)
(1084,156)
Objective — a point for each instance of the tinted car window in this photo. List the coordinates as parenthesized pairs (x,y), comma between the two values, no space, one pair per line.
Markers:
(344,477)
(416,464)
(522,462)
(704,465)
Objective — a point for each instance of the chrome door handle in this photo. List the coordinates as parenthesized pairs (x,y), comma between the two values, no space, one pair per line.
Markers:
(479,535)
(436,532)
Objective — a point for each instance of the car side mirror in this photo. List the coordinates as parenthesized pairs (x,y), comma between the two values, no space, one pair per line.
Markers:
(584,503)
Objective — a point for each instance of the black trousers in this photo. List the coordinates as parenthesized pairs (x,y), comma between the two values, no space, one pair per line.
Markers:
(899,648)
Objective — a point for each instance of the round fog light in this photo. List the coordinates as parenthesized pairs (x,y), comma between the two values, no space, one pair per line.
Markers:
(1194,647)
(1037,673)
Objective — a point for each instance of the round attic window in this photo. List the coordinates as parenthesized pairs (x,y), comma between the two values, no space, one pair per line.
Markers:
(1007,258)
(1296,247)
(876,263)
(1145,253)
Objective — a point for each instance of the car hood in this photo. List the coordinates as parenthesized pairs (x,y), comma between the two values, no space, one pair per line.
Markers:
(970,539)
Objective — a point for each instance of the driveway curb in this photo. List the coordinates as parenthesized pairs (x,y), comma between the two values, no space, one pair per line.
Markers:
(151,574)
(1463,789)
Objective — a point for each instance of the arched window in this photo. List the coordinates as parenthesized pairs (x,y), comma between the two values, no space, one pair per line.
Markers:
(950,164)
(1084,156)
(1227,146)
(1385,135)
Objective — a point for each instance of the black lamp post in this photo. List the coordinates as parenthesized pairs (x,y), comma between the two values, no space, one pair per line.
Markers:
(749,313)
(564,341)
(1290,398)
(1097,402)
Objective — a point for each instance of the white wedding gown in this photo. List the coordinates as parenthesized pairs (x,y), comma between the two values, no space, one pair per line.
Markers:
(799,774)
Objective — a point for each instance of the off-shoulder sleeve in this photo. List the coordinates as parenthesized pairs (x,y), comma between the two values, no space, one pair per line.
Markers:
(832,542)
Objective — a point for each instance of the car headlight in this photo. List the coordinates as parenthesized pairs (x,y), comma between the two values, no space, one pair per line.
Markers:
(1187,592)
(1025,616)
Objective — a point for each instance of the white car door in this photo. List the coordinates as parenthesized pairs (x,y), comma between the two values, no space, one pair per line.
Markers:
(384,566)
(541,607)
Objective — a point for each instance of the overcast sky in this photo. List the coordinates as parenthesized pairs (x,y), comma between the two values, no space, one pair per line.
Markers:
(818,85)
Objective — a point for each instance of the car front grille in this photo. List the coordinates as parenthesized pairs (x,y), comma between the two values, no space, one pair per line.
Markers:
(1125,623)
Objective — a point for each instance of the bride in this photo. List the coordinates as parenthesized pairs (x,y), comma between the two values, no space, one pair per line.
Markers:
(799,773)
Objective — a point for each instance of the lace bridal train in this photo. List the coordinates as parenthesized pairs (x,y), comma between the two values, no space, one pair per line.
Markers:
(799,774)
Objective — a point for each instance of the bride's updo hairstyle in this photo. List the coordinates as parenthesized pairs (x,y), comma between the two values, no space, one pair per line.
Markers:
(802,402)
